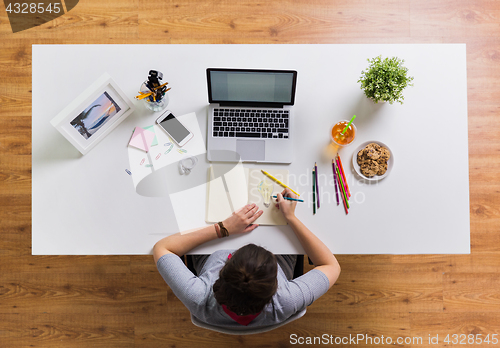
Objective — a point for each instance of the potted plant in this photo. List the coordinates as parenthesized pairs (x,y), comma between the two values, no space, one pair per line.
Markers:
(385,80)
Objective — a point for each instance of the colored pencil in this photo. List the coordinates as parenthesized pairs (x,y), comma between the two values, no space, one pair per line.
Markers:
(344,196)
(314,192)
(344,202)
(279,182)
(317,186)
(335,182)
(344,181)
(291,199)
(343,174)
(342,177)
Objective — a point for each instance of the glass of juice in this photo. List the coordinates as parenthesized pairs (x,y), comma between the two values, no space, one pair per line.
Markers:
(343,139)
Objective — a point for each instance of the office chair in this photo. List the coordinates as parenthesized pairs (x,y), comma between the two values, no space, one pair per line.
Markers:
(245,330)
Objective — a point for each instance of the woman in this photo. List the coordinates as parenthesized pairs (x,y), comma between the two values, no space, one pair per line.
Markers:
(249,286)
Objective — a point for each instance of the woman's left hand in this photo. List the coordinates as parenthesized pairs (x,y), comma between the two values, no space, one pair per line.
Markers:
(242,220)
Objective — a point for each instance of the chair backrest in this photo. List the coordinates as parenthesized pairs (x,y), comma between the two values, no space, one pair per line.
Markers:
(245,330)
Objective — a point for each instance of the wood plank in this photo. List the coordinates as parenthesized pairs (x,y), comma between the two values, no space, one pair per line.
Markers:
(63,331)
(471,292)
(271,22)
(393,263)
(364,292)
(15,66)
(15,257)
(100,21)
(15,138)
(461,18)
(484,262)
(15,98)
(484,208)
(439,325)
(15,174)
(80,293)
(142,264)
(483,57)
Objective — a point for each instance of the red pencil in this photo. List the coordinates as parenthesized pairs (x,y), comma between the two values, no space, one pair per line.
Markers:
(343,174)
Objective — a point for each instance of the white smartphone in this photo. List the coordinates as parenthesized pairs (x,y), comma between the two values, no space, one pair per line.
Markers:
(177,131)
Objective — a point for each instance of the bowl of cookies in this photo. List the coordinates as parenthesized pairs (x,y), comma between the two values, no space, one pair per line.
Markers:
(373,160)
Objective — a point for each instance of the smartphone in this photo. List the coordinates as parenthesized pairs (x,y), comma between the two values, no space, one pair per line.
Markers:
(177,131)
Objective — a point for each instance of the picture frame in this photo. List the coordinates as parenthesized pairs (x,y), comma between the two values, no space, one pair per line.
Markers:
(93,114)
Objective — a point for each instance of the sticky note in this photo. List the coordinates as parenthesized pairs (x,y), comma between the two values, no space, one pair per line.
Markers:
(142,139)
(152,129)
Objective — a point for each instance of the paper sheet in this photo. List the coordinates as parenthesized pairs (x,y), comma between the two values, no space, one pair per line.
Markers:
(234,189)
(226,191)
(271,215)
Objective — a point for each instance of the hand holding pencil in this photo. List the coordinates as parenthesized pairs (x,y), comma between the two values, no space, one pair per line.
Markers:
(287,207)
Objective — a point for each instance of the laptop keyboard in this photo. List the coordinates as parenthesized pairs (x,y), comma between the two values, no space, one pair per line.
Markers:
(245,123)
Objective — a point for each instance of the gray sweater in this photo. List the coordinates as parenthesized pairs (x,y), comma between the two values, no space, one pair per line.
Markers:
(197,295)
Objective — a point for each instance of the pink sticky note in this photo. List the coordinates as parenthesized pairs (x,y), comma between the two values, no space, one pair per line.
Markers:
(142,139)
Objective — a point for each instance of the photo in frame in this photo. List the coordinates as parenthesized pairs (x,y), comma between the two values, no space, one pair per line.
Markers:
(93,114)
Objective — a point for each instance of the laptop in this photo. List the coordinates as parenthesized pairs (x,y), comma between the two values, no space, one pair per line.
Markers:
(250,115)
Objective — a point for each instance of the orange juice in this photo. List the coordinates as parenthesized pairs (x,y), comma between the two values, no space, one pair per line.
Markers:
(347,137)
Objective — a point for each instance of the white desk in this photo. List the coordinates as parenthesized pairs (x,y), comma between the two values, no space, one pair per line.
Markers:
(88,205)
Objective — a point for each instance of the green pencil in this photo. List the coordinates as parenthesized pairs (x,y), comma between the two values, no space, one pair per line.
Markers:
(314,192)
(343,190)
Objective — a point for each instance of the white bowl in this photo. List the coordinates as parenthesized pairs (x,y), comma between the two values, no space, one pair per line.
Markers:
(357,169)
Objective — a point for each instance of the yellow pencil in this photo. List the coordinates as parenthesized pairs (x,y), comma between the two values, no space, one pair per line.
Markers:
(279,182)
(160,86)
(143,95)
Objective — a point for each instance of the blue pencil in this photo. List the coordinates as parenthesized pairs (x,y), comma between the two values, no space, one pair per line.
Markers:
(290,199)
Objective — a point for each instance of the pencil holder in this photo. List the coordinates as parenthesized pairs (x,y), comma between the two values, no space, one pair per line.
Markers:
(151,104)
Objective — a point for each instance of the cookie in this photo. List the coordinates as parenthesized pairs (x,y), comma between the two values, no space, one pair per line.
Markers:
(385,153)
(370,168)
(382,168)
(373,153)
(374,146)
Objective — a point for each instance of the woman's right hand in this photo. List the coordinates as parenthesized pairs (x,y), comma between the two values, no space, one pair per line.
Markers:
(287,207)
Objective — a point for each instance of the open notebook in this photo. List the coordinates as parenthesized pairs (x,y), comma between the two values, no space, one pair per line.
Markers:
(231,187)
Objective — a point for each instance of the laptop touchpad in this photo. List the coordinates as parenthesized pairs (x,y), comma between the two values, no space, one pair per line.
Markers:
(251,150)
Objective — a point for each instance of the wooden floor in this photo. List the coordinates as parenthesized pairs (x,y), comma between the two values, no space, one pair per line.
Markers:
(121,301)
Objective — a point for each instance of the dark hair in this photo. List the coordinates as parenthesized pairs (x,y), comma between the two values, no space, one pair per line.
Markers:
(248,280)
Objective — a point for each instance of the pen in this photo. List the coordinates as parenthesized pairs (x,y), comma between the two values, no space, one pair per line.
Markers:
(290,199)
(279,182)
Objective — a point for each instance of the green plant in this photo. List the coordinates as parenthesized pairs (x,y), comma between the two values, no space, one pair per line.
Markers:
(385,80)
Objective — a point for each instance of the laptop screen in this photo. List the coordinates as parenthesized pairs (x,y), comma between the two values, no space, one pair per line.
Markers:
(251,87)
